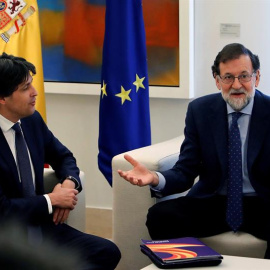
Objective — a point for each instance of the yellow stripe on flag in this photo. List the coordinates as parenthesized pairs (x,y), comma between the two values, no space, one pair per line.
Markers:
(20,36)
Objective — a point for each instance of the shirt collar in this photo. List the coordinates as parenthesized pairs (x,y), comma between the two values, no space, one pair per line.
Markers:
(246,110)
(5,124)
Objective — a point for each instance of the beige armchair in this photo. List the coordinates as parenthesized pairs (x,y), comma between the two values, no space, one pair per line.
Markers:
(76,218)
(130,205)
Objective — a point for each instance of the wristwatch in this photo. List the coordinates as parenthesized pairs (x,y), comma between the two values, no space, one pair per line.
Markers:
(74,180)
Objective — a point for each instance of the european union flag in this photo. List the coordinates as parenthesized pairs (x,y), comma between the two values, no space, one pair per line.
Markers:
(124,117)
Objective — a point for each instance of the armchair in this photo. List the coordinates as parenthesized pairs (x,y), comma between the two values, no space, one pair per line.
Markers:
(131,203)
(76,218)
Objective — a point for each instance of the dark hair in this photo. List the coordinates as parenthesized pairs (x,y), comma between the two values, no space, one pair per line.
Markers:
(231,52)
(13,71)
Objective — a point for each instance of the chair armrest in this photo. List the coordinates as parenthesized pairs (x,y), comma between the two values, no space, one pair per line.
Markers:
(131,203)
(76,218)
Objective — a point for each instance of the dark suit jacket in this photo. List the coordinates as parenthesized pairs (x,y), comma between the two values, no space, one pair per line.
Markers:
(204,150)
(43,148)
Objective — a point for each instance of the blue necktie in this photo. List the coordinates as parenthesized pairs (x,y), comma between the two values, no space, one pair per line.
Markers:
(234,213)
(23,163)
(34,232)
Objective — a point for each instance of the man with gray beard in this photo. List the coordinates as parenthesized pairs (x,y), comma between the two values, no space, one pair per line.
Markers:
(227,146)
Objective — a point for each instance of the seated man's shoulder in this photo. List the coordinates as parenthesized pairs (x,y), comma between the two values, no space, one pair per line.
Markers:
(207,99)
(262,95)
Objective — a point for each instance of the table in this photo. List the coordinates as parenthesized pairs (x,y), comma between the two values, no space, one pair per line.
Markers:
(230,263)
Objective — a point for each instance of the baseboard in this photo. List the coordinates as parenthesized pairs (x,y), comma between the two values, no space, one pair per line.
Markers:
(99,222)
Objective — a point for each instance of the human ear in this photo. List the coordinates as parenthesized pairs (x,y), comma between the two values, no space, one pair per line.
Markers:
(258,75)
(217,82)
(2,100)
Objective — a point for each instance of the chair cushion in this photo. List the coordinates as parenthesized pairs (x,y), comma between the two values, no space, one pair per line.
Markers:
(237,244)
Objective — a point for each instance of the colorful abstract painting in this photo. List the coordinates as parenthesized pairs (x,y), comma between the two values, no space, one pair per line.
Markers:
(72,35)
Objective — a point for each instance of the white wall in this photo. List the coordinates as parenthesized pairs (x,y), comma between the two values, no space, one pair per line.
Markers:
(253,17)
(74,118)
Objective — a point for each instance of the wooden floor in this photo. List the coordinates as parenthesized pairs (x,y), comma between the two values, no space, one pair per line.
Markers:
(99,222)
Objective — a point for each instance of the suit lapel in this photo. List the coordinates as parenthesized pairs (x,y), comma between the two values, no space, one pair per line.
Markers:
(30,140)
(219,123)
(259,125)
(7,156)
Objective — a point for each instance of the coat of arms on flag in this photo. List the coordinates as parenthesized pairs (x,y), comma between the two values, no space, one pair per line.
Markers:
(10,10)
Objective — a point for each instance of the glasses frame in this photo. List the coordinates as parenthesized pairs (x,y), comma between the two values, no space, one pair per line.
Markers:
(238,77)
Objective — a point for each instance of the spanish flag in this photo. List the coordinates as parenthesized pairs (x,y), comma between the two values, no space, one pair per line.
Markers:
(20,36)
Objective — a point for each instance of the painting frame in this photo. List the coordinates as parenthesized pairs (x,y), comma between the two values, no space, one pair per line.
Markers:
(185,90)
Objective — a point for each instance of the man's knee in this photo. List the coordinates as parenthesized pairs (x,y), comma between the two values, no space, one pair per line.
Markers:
(109,255)
(152,216)
(161,211)
(114,254)
(156,216)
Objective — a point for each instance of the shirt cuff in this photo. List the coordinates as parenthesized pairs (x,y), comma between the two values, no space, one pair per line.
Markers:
(49,203)
(161,184)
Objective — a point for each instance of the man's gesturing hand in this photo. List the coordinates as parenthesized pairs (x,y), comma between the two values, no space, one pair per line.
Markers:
(139,175)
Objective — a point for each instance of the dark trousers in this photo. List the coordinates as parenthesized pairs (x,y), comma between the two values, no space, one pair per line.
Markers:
(202,217)
(93,252)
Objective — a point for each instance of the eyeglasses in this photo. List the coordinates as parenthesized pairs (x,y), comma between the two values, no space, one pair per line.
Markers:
(229,79)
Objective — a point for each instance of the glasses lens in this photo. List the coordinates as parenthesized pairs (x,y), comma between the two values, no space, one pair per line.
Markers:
(227,79)
(245,78)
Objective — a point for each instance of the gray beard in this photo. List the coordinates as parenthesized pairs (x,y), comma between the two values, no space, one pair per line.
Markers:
(238,103)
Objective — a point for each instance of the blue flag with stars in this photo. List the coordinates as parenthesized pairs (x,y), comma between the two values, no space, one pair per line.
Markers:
(124,116)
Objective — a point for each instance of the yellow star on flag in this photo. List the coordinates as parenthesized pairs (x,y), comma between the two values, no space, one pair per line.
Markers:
(103,89)
(124,95)
(139,83)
